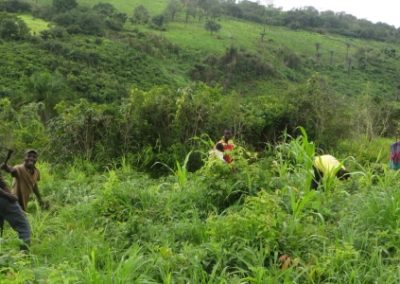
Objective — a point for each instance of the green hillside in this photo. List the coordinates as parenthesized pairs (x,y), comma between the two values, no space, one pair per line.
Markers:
(36,25)
(378,71)
(125,109)
(155,6)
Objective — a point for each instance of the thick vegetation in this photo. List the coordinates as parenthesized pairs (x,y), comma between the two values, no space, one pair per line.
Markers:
(124,100)
(218,225)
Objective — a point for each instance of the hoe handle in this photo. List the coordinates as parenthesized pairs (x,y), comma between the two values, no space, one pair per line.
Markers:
(9,153)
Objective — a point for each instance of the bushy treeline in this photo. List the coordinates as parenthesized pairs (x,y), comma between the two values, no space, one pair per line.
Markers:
(233,67)
(310,18)
(12,27)
(77,19)
(15,6)
(103,16)
(304,18)
(54,65)
(164,123)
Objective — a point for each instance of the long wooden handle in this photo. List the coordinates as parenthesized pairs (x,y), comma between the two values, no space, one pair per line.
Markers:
(9,153)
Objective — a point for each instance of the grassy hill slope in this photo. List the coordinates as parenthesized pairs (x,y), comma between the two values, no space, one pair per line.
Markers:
(104,108)
(213,226)
(369,65)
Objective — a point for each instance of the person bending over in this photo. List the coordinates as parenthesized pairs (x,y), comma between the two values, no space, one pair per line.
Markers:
(327,165)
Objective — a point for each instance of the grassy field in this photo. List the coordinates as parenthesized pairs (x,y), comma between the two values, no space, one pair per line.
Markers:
(154,6)
(122,227)
(240,33)
(194,39)
(110,222)
(34,24)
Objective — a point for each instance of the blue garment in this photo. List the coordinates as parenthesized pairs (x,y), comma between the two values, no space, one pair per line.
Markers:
(13,214)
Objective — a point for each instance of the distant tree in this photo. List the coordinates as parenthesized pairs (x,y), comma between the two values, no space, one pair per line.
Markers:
(200,14)
(232,9)
(47,88)
(91,23)
(15,6)
(113,19)
(213,9)
(390,52)
(77,22)
(140,15)
(57,32)
(116,22)
(67,19)
(190,11)
(212,26)
(64,5)
(158,22)
(317,53)
(105,9)
(290,58)
(45,34)
(348,45)
(249,10)
(12,28)
(172,9)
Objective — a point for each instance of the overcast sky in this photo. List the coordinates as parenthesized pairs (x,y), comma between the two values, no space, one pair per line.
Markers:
(386,11)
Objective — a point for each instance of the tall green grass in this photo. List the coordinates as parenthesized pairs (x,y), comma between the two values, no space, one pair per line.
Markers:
(225,224)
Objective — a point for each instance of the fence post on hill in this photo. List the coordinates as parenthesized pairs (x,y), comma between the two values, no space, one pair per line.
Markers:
(349,61)
(262,35)
(348,45)
(317,53)
(398,93)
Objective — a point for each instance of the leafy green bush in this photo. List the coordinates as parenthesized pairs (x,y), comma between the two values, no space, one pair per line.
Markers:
(12,27)
(234,66)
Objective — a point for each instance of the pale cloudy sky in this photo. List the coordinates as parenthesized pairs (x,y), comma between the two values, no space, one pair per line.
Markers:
(386,11)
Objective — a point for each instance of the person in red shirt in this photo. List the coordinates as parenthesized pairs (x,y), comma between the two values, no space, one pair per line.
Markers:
(228,145)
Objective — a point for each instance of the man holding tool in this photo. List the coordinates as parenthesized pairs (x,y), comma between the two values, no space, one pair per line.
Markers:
(26,177)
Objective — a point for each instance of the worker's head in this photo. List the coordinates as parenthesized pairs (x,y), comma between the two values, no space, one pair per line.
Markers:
(227,135)
(343,174)
(30,158)
(219,147)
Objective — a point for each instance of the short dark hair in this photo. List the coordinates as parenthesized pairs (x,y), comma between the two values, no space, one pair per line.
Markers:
(343,174)
(219,147)
(30,151)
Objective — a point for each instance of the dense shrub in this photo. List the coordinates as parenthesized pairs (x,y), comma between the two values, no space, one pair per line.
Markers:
(158,22)
(15,6)
(140,15)
(12,27)
(232,67)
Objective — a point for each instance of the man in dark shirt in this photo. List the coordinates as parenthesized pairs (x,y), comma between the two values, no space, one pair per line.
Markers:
(11,212)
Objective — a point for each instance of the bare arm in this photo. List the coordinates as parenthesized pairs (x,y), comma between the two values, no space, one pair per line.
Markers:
(37,193)
(9,169)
